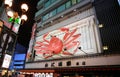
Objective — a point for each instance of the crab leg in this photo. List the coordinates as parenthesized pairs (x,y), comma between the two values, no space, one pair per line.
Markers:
(73,38)
(45,37)
(40,44)
(67,53)
(68,35)
(76,47)
(66,30)
(43,52)
(73,44)
(37,47)
(47,56)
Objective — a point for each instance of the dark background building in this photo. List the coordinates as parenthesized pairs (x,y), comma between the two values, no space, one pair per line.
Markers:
(108,14)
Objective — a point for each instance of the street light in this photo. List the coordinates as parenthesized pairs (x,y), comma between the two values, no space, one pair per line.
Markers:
(14,18)
(8,3)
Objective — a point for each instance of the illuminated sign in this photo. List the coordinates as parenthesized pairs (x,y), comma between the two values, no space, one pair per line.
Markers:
(6,61)
(72,40)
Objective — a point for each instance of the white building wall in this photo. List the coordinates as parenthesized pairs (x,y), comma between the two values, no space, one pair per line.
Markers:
(78,17)
(87,26)
(90,61)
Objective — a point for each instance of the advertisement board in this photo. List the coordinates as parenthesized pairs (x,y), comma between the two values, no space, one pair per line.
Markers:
(75,39)
(31,43)
(6,61)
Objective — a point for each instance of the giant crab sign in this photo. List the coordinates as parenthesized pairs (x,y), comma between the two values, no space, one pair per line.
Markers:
(55,45)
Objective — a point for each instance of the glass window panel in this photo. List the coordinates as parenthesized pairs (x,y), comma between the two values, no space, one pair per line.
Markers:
(68,4)
(53,1)
(52,13)
(74,2)
(78,0)
(47,3)
(61,8)
(45,17)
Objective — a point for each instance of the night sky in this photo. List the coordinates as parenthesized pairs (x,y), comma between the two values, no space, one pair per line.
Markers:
(25,29)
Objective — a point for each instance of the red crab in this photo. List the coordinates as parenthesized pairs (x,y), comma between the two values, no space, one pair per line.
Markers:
(57,46)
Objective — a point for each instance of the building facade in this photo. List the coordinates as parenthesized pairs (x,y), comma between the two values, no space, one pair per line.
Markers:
(74,37)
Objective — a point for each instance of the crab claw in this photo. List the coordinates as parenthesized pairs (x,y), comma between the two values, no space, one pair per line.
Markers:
(64,29)
(45,37)
(67,53)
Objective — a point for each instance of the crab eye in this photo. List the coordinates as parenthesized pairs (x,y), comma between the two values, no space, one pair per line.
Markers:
(79,47)
(65,49)
(43,53)
(53,52)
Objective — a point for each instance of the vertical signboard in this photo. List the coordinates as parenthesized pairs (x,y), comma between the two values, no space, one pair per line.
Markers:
(29,52)
(6,61)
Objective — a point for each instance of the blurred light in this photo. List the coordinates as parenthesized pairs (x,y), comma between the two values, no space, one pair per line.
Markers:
(100,25)
(105,47)
(119,2)
(24,7)
(24,17)
(1,25)
(62,16)
(8,2)
(51,21)
(75,10)
(10,13)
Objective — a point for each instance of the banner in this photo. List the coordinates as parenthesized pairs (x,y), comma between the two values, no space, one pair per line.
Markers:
(75,39)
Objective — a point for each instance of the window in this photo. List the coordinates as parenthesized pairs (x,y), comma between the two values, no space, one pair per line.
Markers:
(61,8)
(68,4)
(74,2)
(68,63)
(78,0)
(52,13)
(52,1)
(60,64)
(45,16)
(47,3)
